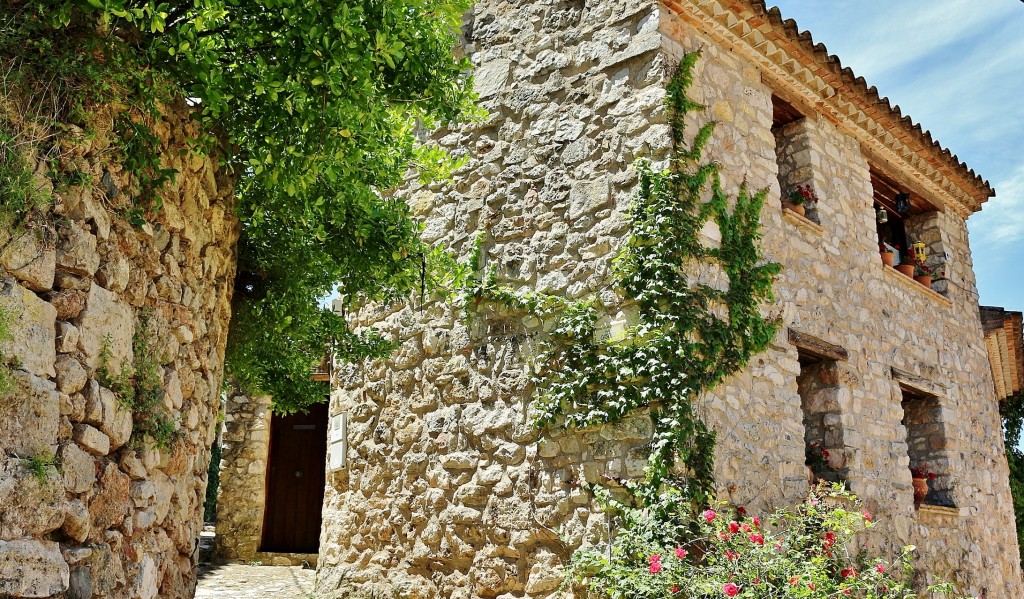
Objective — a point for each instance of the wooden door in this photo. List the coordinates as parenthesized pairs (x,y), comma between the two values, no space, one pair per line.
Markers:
(295,481)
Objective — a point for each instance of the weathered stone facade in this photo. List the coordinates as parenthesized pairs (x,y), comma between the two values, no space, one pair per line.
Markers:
(119,518)
(447,492)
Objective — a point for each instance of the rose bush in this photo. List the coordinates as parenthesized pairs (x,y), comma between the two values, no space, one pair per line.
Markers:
(802,552)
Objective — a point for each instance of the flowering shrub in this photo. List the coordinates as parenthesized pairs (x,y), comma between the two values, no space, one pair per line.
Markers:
(726,552)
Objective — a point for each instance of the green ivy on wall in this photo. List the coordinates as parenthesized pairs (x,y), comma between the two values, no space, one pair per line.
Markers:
(690,335)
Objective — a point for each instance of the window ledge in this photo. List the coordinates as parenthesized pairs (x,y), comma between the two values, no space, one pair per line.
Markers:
(802,221)
(912,284)
(938,515)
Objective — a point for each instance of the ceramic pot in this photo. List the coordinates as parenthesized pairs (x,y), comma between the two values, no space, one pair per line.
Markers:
(920,490)
(888,258)
(798,208)
(925,280)
(907,269)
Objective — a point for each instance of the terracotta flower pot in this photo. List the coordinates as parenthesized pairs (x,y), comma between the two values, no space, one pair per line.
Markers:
(920,490)
(907,269)
(888,258)
(811,478)
(798,208)
(925,280)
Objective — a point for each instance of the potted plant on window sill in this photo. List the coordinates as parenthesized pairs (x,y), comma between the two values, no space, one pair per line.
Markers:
(817,459)
(907,265)
(926,275)
(920,475)
(798,199)
(888,254)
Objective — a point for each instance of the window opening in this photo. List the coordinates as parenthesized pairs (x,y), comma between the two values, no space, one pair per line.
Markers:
(927,445)
(793,155)
(821,403)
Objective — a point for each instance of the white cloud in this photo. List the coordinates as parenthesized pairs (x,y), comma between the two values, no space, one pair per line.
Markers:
(1001,220)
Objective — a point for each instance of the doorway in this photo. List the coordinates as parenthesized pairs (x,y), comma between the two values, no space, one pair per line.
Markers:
(295,481)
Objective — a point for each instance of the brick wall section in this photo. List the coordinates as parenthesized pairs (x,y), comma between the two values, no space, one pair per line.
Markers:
(447,492)
(118,519)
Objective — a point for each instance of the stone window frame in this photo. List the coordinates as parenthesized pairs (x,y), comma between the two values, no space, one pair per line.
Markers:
(921,222)
(792,156)
(937,456)
(824,358)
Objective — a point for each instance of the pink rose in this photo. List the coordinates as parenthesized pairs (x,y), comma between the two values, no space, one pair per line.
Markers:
(709,515)
(730,589)
(680,552)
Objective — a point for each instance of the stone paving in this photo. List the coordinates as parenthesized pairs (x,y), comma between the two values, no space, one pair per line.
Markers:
(241,581)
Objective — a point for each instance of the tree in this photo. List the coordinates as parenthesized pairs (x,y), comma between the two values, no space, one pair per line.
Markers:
(315,104)
(1012,411)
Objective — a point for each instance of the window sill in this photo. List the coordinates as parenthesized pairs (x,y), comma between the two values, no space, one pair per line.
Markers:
(938,515)
(802,221)
(912,284)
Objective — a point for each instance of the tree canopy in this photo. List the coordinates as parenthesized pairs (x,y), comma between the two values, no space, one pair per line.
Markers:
(316,105)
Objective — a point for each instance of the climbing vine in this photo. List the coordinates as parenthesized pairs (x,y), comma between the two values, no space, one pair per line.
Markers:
(690,335)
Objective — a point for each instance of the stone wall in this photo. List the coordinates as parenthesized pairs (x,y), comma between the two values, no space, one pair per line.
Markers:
(118,518)
(447,491)
(242,495)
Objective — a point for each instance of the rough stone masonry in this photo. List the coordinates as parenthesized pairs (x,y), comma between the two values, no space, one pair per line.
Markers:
(118,518)
(450,492)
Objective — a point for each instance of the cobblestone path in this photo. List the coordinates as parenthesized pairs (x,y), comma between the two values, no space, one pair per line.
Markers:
(239,581)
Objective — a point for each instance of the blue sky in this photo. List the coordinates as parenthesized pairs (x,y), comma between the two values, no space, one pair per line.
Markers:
(956,67)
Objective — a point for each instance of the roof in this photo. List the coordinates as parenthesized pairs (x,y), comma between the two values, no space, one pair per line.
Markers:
(1004,339)
(841,94)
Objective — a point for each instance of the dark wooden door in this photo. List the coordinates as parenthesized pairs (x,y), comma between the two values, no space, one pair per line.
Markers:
(295,481)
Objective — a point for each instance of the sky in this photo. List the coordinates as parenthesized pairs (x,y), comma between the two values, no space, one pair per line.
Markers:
(956,67)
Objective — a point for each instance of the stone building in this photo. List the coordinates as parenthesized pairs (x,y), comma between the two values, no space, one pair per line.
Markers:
(120,517)
(437,485)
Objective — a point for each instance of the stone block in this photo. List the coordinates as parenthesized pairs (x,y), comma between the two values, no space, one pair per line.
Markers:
(76,251)
(31,259)
(69,304)
(76,520)
(67,337)
(71,375)
(78,468)
(32,323)
(32,506)
(491,77)
(32,568)
(105,411)
(30,416)
(106,316)
(92,439)
(587,197)
(112,503)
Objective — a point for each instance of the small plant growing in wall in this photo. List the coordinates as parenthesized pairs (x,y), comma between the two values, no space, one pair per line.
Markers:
(139,387)
(6,382)
(39,466)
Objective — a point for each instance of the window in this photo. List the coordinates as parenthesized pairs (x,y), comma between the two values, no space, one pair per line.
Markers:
(823,397)
(927,443)
(821,402)
(793,152)
(903,218)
